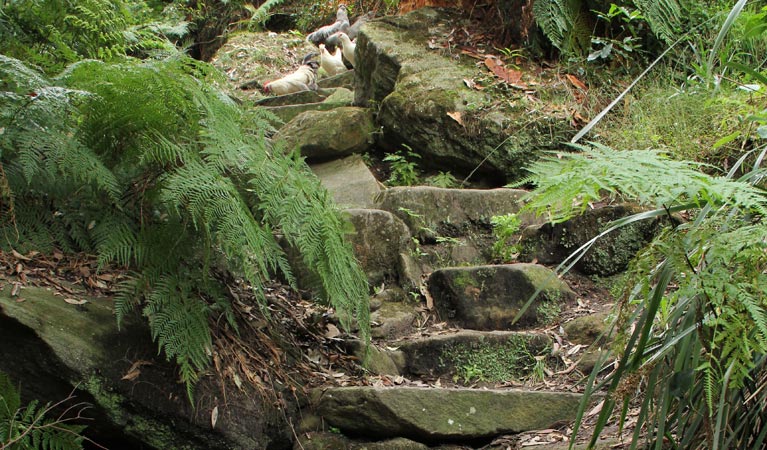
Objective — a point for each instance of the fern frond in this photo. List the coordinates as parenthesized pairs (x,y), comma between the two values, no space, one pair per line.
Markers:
(664,16)
(564,23)
(261,14)
(565,187)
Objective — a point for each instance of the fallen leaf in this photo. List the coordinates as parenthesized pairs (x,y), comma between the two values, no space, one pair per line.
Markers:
(74,301)
(471,84)
(19,268)
(18,255)
(21,300)
(15,289)
(456,115)
(131,375)
(594,411)
(510,76)
(576,82)
(332,331)
(214,417)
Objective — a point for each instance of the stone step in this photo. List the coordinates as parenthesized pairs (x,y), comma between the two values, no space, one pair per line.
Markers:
(430,416)
(340,97)
(490,297)
(465,356)
(469,355)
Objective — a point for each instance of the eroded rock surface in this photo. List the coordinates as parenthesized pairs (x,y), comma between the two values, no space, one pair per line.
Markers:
(442,415)
(490,297)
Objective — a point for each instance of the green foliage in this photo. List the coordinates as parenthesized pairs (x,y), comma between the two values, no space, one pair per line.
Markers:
(148,166)
(495,362)
(54,33)
(565,23)
(260,15)
(443,180)
(505,228)
(692,327)
(404,170)
(30,427)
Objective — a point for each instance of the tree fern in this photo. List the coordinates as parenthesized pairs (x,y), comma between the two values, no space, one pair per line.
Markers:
(261,14)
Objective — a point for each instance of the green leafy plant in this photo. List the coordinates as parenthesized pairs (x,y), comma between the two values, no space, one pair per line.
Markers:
(31,426)
(443,180)
(692,326)
(506,231)
(404,169)
(150,167)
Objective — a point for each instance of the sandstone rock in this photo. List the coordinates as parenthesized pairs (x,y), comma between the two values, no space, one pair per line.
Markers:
(431,212)
(551,244)
(490,356)
(587,330)
(344,80)
(324,135)
(442,415)
(392,320)
(378,240)
(334,441)
(417,87)
(286,113)
(490,297)
(349,181)
(53,348)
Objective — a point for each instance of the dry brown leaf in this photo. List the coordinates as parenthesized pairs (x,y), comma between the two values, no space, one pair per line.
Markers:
(15,289)
(74,301)
(131,375)
(576,82)
(456,115)
(332,332)
(214,417)
(19,268)
(21,300)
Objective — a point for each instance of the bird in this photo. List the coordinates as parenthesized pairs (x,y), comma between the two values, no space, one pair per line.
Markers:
(346,44)
(341,24)
(332,63)
(302,79)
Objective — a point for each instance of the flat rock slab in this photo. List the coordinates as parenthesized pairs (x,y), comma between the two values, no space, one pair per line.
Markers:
(491,297)
(492,356)
(440,415)
(286,113)
(349,181)
(325,135)
(430,212)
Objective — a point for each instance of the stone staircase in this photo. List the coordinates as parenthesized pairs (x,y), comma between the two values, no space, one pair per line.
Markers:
(448,365)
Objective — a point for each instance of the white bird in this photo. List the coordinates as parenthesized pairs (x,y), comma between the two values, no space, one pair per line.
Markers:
(347,45)
(302,79)
(332,63)
(341,24)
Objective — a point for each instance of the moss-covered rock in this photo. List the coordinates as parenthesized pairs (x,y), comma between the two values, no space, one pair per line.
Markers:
(467,355)
(491,297)
(378,240)
(442,415)
(392,320)
(286,112)
(589,329)
(335,441)
(415,87)
(432,212)
(551,244)
(52,348)
(324,135)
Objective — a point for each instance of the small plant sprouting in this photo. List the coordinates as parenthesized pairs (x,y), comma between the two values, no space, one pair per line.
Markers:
(404,170)
(443,180)
(504,229)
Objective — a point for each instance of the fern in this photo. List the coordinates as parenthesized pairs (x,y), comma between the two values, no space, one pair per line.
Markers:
(28,426)
(261,14)
(664,16)
(695,303)
(148,165)
(565,23)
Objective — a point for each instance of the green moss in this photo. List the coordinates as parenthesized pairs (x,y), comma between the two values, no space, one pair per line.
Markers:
(492,362)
